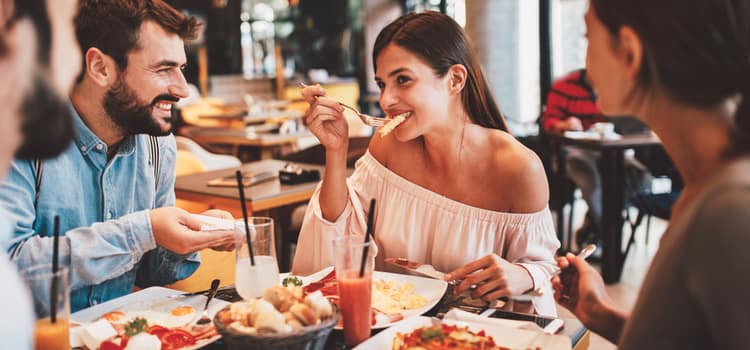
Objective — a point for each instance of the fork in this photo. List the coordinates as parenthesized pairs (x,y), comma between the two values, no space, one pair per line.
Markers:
(204,319)
(365,118)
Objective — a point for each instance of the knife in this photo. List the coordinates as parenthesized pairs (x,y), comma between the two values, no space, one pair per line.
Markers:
(427,270)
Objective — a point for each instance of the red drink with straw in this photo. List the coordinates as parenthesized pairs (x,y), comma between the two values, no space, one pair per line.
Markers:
(354,264)
(355,300)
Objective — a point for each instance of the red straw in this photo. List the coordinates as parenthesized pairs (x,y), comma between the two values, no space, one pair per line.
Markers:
(241,189)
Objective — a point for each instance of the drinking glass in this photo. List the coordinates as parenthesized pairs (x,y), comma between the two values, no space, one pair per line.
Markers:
(251,281)
(355,290)
(43,283)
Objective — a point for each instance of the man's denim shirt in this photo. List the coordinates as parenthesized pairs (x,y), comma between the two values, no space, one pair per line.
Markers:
(104,215)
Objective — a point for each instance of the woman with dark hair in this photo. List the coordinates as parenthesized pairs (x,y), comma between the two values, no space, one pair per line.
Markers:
(454,189)
(683,68)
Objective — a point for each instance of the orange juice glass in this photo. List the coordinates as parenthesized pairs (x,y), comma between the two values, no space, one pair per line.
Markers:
(355,290)
(48,335)
(42,283)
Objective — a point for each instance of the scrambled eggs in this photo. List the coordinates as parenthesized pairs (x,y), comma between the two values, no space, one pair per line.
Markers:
(390,297)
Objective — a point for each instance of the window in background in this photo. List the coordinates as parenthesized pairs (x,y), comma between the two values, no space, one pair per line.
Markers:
(567,36)
(505,34)
(264,24)
(454,8)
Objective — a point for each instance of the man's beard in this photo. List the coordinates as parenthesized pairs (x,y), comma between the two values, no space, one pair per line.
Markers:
(47,123)
(123,108)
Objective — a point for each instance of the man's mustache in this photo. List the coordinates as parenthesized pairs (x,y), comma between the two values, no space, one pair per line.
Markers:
(164,97)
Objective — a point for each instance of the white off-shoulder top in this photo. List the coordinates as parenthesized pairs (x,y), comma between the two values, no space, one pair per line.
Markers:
(415,223)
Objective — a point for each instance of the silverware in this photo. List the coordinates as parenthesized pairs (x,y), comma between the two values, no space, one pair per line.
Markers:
(365,118)
(204,319)
(429,271)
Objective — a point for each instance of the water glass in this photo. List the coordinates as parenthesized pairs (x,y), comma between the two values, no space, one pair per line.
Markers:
(251,281)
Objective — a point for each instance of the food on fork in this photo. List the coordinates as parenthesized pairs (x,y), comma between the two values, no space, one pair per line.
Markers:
(393,123)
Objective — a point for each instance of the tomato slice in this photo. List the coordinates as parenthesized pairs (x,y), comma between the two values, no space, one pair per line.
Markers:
(109,345)
(176,339)
(158,331)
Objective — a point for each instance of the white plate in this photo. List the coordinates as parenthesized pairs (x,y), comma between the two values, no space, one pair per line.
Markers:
(430,289)
(156,296)
(509,337)
(591,135)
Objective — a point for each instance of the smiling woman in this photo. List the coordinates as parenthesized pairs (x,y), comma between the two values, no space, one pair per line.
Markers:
(453,188)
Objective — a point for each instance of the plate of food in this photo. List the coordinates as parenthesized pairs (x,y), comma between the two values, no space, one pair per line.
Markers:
(430,333)
(394,296)
(151,314)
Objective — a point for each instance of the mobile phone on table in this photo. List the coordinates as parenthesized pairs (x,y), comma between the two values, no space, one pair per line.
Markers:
(549,325)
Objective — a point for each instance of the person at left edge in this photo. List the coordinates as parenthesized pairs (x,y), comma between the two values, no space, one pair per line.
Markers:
(113,187)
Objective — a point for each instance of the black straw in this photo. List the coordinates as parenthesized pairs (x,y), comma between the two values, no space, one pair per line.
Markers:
(370,231)
(55,268)
(241,189)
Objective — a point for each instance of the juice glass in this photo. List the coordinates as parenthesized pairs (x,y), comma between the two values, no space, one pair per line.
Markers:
(250,281)
(355,291)
(43,283)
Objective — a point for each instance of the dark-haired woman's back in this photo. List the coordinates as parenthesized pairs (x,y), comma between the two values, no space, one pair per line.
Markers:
(694,296)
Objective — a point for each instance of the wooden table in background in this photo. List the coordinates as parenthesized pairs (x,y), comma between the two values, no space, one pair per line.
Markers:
(612,169)
(260,197)
(269,198)
(265,143)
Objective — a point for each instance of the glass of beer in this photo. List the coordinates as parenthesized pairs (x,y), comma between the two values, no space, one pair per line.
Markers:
(50,292)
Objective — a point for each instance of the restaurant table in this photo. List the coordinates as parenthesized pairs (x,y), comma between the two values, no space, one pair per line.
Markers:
(612,169)
(271,198)
(255,117)
(572,327)
(260,197)
(265,143)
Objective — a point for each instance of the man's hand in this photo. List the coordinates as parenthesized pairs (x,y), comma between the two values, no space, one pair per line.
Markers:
(175,230)
(223,214)
(571,123)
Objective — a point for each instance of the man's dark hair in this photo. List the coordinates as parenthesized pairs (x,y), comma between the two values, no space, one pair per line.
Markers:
(112,26)
(697,51)
(440,42)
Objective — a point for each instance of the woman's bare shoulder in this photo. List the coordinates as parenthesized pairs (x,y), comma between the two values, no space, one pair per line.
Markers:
(379,147)
(521,171)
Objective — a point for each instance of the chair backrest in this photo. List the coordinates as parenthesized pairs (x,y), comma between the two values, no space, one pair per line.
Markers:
(210,161)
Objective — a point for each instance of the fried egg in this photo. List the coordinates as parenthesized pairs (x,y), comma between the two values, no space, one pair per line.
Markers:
(169,314)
